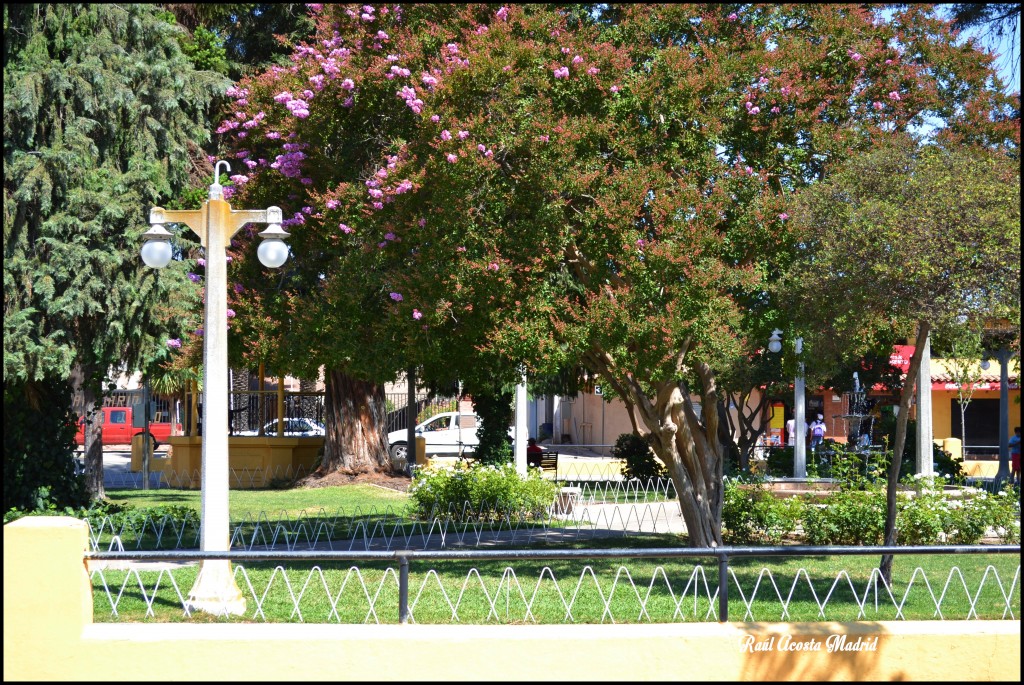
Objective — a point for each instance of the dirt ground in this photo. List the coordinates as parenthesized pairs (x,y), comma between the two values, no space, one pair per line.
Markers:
(395,482)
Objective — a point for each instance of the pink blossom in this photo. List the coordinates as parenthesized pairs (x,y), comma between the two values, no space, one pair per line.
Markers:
(422,222)
(460,248)
(493,266)
(230,313)
(308,94)
(748,104)
(543,138)
(507,67)
(463,135)
(403,187)
(877,105)
(382,244)
(565,51)
(481,147)
(641,242)
(732,17)
(489,154)
(366,17)
(345,229)
(775,110)
(239,288)
(502,13)
(855,56)
(783,216)
(888,61)
(332,204)
(283,96)
(749,171)
(378,205)
(201,262)
(397,297)
(273,135)
(348,103)
(577,59)
(428,80)
(446,135)
(615,89)
(417,314)
(593,71)
(562,72)
(755,110)
(894,95)
(381,35)
(198,332)
(435,118)
(482,28)
(348,84)
(452,158)
(453,48)
(174,342)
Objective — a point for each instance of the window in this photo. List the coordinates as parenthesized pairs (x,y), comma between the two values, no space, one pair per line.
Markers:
(438,424)
(467,421)
(120,416)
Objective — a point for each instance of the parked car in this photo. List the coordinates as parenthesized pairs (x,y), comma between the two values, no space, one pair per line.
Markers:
(293,428)
(445,433)
(117,429)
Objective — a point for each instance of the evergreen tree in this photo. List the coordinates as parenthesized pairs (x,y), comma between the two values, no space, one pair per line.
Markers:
(103,118)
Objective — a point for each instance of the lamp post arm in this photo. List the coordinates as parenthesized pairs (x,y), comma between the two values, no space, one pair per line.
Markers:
(193,218)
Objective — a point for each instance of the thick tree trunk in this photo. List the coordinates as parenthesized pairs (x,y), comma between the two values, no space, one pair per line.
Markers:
(355,416)
(899,443)
(84,401)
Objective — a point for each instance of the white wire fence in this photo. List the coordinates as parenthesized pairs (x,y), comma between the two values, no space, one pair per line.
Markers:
(653,585)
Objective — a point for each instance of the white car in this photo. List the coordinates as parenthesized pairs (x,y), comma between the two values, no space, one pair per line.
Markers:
(446,433)
(293,428)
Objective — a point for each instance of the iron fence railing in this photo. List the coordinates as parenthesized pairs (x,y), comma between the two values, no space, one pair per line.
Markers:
(996,595)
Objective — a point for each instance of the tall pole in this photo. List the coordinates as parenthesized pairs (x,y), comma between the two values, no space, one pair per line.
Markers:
(521,428)
(215,223)
(410,417)
(924,411)
(799,404)
(1003,472)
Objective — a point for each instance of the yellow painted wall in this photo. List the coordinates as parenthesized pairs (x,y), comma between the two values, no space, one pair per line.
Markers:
(252,461)
(49,635)
(943,408)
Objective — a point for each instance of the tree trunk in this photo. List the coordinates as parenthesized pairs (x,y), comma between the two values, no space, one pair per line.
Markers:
(355,416)
(688,446)
(899,443)
(84,402)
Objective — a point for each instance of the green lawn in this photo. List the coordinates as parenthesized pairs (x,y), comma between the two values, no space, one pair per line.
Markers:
(584,592)
(245,504)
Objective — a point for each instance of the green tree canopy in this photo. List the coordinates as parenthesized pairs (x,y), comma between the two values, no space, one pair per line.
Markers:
(481,187)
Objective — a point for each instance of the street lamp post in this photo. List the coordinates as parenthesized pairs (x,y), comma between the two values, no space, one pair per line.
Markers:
(215,223)
(799,419)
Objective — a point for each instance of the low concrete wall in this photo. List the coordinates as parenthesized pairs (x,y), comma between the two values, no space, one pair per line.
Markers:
(49,635)
(252,462)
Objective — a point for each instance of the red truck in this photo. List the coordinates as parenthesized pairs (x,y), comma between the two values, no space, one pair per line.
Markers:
(116,423)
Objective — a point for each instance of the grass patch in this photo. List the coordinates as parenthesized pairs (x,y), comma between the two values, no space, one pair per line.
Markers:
(245,504)
(580,591)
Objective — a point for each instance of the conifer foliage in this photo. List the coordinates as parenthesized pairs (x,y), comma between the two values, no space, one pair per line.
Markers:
(103,115)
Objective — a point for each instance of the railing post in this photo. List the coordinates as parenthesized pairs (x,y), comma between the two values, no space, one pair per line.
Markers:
(723,588)
(403,588)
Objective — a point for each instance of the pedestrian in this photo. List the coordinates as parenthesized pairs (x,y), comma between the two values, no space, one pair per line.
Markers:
(533,452)
(1015,456)
(791,433)
(817,431)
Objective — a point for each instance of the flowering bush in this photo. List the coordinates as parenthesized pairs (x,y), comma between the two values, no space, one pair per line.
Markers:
(489,492)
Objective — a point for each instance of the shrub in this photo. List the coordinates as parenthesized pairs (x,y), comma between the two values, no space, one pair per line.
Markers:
(779,462)
(638,459)
(751,513)
(485,490)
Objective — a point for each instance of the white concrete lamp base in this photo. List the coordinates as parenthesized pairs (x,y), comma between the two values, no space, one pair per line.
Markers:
(215,591)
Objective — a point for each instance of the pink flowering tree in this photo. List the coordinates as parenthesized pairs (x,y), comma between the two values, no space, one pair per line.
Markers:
(540,191)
